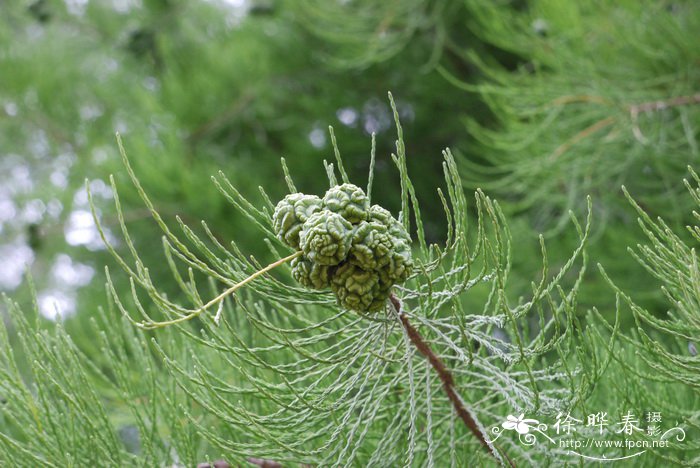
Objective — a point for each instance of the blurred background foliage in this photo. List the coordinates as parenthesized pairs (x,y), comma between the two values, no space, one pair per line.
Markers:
(544,102)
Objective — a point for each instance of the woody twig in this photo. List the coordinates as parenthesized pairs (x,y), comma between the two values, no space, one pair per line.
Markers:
(446,378)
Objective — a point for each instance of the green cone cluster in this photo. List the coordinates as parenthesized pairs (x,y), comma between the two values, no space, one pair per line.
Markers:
(291,213)
(357,250)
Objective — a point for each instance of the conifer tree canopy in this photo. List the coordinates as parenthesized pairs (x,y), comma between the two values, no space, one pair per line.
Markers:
(416,233)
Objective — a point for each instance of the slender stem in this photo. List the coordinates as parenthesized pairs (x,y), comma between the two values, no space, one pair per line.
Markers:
(652,106)
(264,463)
(666,103)
(446,378)
(220,297)
(583,134)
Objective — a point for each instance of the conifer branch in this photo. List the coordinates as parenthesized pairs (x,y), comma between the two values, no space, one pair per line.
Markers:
(585,133)
(263,463)
(652,106)
(665,104)
(445,377)
(634,111)
(152,325)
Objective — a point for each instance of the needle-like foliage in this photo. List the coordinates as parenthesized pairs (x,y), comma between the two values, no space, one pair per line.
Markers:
(279,372)
(655,366)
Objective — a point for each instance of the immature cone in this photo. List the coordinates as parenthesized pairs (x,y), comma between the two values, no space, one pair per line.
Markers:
(380,294)
(372,246)
(290,215)
(349,201)
(357,250)
(325,238)
(310,274)
(354,287)
(396,229)
(400,264)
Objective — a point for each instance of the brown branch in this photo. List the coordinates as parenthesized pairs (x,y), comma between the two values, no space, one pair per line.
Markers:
(215,464)
(652,106)
(583,134)
(633,109)
(664,104)
(445,377)
(263,463)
